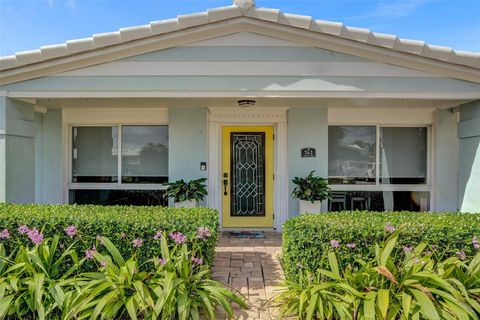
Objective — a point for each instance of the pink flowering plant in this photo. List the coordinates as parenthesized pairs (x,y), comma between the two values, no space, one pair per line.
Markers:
(395,284)
(81,224)
(33,277)
(178,287)
(121,286)
(353,235)
(66,252)
(4,234)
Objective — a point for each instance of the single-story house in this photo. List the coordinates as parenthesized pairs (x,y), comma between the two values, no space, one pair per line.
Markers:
(249,98)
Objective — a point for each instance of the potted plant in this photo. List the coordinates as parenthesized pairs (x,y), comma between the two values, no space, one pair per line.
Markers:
(311,191)
(186,194)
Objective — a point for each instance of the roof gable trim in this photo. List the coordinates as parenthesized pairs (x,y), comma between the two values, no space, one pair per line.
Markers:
(226,27)
(242,8)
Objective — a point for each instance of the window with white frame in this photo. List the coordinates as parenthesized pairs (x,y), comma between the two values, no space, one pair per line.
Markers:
(351,154)
(375,167)
(95,155)
(144,154)
(122,164)
(403,155)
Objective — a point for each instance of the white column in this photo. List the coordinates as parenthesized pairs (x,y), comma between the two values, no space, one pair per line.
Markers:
(17,151)
(281,176)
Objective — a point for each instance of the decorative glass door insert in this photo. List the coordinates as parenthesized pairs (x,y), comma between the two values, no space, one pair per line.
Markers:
(247,177)
(248,174)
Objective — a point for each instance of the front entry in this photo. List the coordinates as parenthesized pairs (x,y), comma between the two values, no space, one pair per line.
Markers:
(247,177)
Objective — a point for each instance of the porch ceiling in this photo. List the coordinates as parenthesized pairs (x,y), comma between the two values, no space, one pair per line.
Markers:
(232,103)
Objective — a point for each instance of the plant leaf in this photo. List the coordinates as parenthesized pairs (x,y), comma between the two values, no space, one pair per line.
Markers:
(383,301)
(384,271)
(387,249)
(112,249)
(427,308)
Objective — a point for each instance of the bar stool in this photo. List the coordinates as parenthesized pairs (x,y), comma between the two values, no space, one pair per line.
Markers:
(339,199)
(363,202)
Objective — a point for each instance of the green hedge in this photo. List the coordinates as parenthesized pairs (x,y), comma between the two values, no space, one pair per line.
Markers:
(306,237)
(121,224)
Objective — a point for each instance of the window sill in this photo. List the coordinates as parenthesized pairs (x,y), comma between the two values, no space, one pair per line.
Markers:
(116,186)
(380,187)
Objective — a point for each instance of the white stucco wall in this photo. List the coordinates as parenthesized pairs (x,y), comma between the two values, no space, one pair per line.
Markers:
(187,142)
(48,157)
(469,168)
(446,146)
(307,127)
(17,151)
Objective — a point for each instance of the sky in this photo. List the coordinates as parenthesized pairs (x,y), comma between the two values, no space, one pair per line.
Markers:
(29,24)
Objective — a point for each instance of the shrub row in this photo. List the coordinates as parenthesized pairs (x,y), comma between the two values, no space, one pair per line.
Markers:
(417,284)
(121,224)
(306,238)
(177,285)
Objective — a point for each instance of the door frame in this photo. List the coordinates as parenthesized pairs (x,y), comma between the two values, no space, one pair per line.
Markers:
(218,117)
(245,221)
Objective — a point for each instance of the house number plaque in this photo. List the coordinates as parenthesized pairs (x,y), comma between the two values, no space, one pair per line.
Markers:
(308,153)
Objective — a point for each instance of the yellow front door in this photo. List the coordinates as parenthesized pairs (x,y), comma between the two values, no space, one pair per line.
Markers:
(247,177)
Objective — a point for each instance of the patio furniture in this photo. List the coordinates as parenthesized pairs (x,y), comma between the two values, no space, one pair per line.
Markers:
(360,202)
(338,201)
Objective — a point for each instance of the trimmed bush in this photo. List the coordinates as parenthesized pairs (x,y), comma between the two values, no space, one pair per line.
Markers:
(413,285)
(121,224)
(307,238)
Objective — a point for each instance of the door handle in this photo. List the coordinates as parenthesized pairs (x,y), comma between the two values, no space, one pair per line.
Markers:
(225,184)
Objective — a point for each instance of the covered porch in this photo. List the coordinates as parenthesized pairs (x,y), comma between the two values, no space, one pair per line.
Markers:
(392,123)
(379,154)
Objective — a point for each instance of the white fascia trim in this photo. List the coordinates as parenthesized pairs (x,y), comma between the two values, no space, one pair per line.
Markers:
(235,25)
(241,94)
(364,50)
(231,12)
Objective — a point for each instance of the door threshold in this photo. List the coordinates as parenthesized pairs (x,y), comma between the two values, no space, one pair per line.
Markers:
(247,229)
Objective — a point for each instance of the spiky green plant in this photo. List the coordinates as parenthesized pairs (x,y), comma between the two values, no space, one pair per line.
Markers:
(465,276)
(187,292)
(31,281)
(311,297)
(388,287)
(177,289)
(405,289)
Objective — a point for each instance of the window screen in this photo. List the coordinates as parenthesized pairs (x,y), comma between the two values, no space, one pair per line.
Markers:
(144,154)
(403,155)
(95,154)
(351,154)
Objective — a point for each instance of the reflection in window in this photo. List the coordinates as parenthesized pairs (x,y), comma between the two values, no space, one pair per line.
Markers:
(118,197)
(379,201)
(351,154)
(144,154)
(403,155)
(95,154)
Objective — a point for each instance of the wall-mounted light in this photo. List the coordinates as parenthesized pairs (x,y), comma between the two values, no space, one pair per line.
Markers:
(246,103)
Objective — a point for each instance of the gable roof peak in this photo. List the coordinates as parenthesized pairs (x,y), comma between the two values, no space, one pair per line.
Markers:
(244,5)
(336,33)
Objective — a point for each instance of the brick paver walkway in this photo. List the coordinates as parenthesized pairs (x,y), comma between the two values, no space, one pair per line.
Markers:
(250,266)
